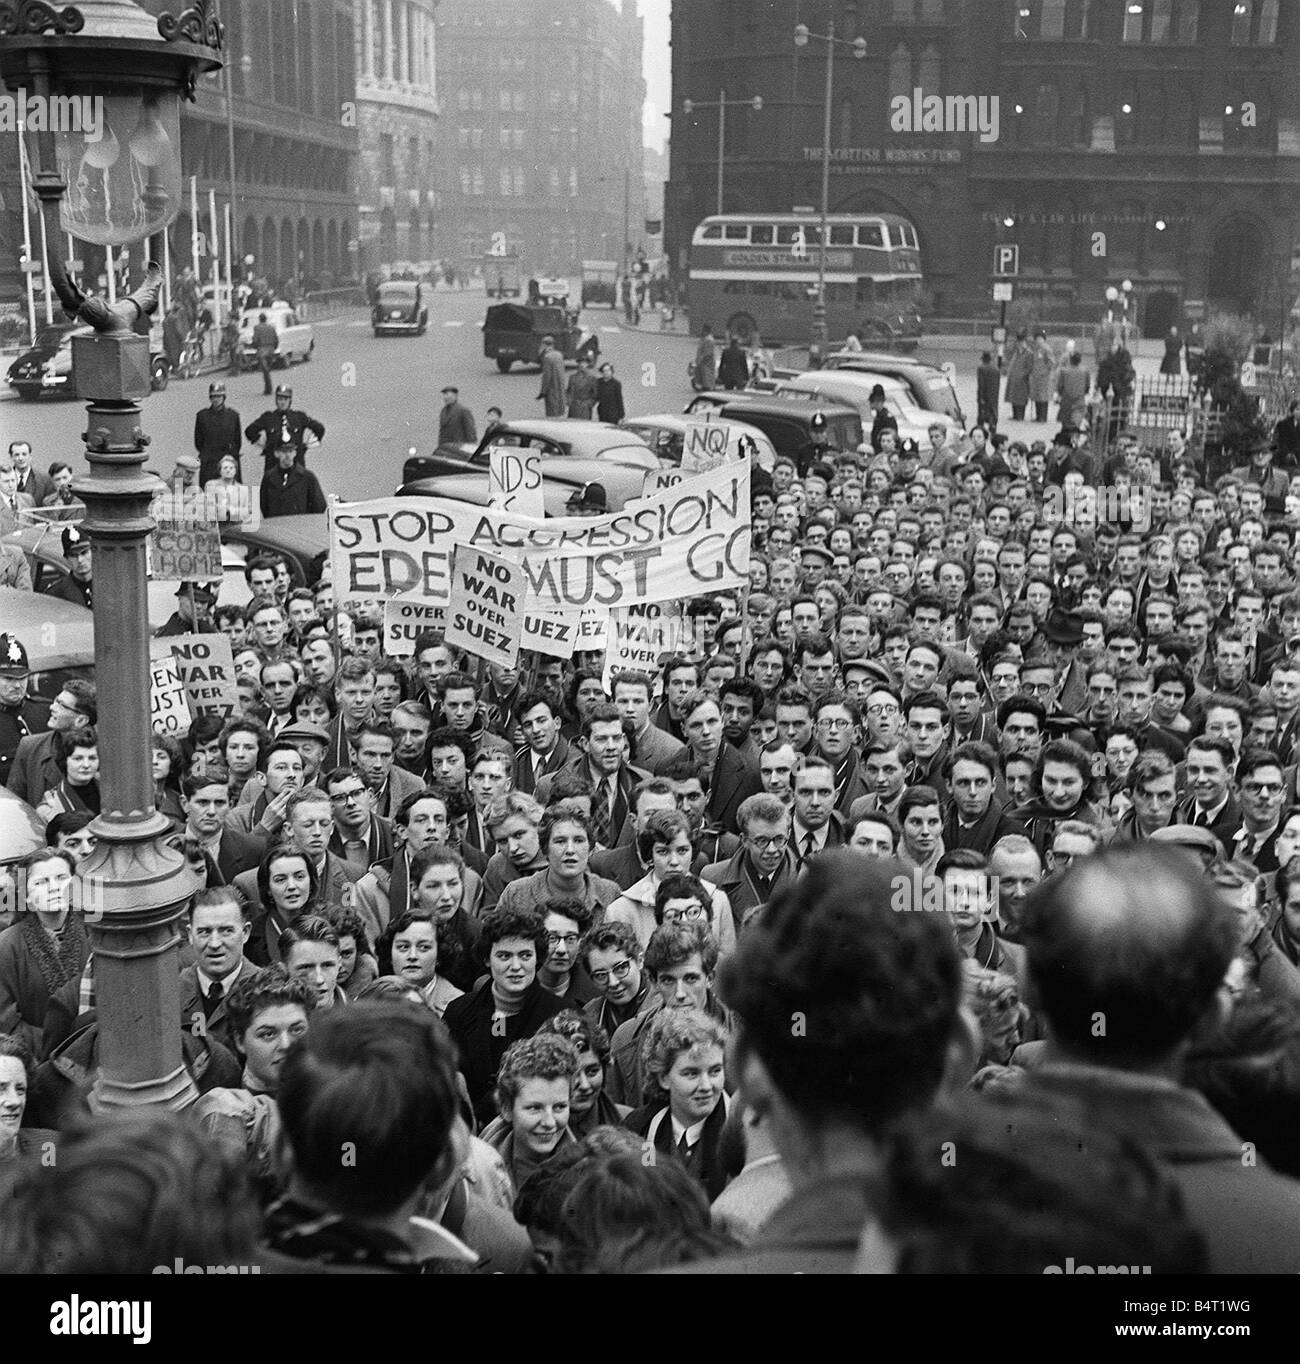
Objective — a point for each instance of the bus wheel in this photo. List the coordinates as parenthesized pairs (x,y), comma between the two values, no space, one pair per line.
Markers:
(742,327)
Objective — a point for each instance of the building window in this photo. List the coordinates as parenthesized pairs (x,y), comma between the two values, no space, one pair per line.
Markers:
(519,139)
(519,101)
(476,99)
(903,11)
(465,180)
(555,179)
(1254,22)
(1050,20)
(573,182)
(930,70)
(504,100)
(900,71)
(1151,126)
(462,137)
(478,179)
(846,123)
(1046,107)
(519,182)
(849,20)
(1080,122)
(505,139)
(386,161)
(1126,120)
(1162,21)
(462,99)
(505,182)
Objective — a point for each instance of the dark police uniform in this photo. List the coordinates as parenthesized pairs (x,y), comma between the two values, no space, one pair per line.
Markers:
(30,716)
(289,427)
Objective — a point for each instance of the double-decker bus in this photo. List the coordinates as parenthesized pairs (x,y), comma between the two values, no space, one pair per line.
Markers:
(757,272)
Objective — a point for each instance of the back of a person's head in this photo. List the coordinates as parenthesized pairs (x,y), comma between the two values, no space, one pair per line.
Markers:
(624,1216)
(1031,1186)
(131,1193)
(848,1003)
(367,1100)
(1126,951)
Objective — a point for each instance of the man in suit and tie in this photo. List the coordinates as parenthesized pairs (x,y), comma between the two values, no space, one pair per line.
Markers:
(763,865)
(545,749)
(1262,783)
(11,500)
(226,852)
(1209,765)
(219,930)
(815,826)
(656,749)
(31,482)
(731,780)
(612,777)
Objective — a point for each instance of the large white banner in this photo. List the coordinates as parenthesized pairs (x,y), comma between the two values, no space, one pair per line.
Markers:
(689,539)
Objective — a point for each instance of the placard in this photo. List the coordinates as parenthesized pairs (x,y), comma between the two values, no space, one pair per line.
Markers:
(206,667)
(640,636)
(169,708)
(549,632)
(486,608)
(185,553)
(405,621)
(515,481)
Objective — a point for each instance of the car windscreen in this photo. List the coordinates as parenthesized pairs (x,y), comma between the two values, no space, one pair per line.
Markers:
(397,293)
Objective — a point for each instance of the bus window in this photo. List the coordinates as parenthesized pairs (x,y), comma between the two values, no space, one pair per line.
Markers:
(736,232)
(897,235)
(909,235)
(866,290)
(762,234)
(842,235)
(870,234)
(711,233)
(786,235)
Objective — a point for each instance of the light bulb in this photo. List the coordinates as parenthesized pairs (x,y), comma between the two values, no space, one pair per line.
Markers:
(103,154)
(149,143)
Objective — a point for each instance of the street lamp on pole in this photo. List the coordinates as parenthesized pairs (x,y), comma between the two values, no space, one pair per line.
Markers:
(140,66)
(721,104)
(802,37)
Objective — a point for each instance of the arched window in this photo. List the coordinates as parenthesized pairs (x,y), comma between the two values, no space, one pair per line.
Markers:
(930,70)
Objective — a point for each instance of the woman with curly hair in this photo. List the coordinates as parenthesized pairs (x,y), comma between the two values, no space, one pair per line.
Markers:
(408,951)
(288,887)
(686,1105)
(357,964)
(534,1085)
(589,1106)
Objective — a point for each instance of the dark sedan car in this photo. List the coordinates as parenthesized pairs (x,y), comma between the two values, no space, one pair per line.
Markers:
(399,309)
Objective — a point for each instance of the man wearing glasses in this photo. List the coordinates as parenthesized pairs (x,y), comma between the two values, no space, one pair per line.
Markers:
(1262,784)
(763,865)
(837,722)
(360,836)
(566,920)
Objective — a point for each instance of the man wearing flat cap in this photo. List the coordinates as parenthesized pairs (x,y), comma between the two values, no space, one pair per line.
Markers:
(815,561)
(216,435)
(76,585)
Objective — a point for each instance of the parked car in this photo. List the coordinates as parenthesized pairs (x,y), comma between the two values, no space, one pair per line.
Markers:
(797,428)
(600,282)
(400,309)
(513,332)
(22,831)
(664,433)
(296,338)
(573,452)
(46,368)
(854,387)
(59,637)
(930,387)
(580,488)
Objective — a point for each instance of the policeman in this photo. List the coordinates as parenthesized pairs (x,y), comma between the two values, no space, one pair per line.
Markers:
(193,614)
(284,425)
(76,585)
(216,434)
(20,714)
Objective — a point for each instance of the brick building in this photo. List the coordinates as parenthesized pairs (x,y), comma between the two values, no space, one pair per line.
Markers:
(541,129)
(1156,141)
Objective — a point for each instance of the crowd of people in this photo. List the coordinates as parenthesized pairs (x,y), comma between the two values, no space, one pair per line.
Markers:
(970,824)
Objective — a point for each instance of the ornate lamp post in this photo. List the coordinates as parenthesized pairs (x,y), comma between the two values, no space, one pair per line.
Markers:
(722,104)
(125,73)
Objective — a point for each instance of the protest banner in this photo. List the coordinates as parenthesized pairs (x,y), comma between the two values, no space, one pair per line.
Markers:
(185,553)
(593,631)
(515,481)
(169,708)
(486,608)
(405,620)
(549,632)
(689,539)
(206,666)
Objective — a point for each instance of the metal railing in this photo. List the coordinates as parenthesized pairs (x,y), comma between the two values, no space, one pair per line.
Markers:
(327,302)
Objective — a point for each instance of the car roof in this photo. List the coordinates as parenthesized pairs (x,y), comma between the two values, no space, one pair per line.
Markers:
(473,488)
(21,830)
(777,407)
(303,537)
(883,360)
(56,633)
